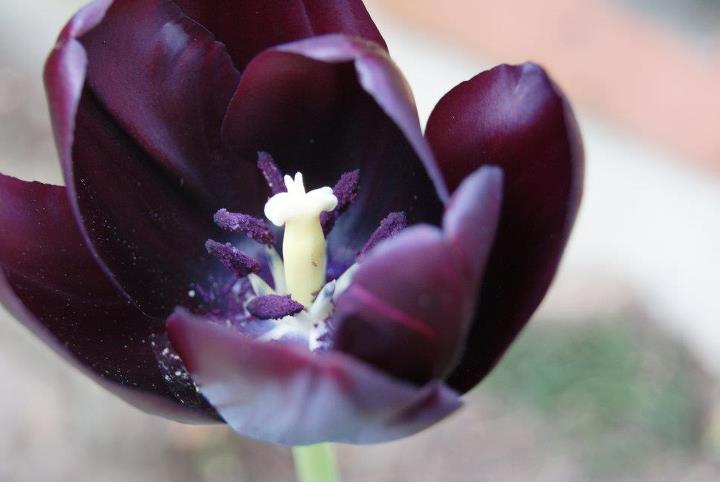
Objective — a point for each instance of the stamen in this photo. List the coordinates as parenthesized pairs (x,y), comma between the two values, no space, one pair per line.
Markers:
(233,259)
(254,228)
(344,281)
(277,269)
(259,285)
(273,307)
(272,174)
(346,191)
(389,227)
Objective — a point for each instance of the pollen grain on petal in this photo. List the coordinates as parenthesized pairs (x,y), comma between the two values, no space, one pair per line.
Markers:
(235,260)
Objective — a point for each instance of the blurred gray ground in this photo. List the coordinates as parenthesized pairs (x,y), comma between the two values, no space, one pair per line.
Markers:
(596,390)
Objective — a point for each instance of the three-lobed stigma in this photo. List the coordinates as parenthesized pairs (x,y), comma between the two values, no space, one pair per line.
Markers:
(304,252)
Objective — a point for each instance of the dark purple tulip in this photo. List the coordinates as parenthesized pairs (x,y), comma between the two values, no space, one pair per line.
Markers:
(153,268)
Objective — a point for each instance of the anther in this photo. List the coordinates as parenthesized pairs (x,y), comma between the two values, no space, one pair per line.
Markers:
(233,259)
(254,228)
(273,307)
(346,191)
(271,172)
(389,227)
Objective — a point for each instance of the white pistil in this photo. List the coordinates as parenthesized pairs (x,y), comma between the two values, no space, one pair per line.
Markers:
(301,272)
(304,242)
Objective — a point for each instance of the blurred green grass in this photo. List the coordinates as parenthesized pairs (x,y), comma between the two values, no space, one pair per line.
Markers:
(619,394)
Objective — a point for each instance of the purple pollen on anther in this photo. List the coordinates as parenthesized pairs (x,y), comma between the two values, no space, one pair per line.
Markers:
(273,307)
(235,260)
(346,191)
(389,227)
(254,228)
(272,173)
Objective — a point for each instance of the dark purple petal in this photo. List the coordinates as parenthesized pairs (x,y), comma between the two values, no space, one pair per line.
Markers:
(273,307)
(239,263)
(410,304)
(346,191)
(389,227)
(271,173)
(471,217)
(248,27)
(50,282)
(137,142)
(167,83)
(282,393)
(333,104)
(252,227)
(65,71)
(514,117)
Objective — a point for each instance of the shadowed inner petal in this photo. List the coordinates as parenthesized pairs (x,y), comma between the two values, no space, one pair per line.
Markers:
(315,117)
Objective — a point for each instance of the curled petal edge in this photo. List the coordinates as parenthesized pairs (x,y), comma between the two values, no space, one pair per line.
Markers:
(282,393)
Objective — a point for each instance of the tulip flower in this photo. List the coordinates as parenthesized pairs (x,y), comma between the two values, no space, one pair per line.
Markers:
(255,230)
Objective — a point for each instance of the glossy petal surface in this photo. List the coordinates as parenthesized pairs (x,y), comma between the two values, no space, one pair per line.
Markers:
(514,117)
(248,27)
(280,392)
(141,114)
(410,304)
(50,281)
(329,105)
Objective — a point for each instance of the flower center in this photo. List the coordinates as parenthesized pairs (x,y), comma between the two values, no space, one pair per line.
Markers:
(304,242)
(299,302)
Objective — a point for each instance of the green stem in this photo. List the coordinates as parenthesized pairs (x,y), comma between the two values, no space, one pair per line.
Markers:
(315,463)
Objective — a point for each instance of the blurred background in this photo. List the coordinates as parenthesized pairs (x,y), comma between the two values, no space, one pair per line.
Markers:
(616,377)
